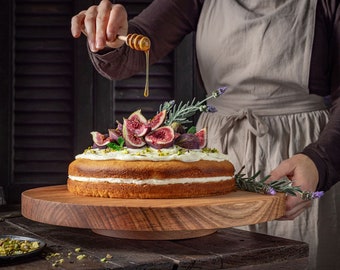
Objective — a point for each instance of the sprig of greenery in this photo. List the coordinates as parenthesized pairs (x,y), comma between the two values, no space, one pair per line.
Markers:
(283,185)
(117,146)
(181,112)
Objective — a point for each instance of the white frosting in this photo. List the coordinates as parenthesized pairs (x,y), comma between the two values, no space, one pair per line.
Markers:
(146,153)
(174,153)
(151,181)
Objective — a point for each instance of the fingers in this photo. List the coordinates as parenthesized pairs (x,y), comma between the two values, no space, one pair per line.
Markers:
(301,170)
(77,23)
(117,24)
(90,27)
(284,169)
(101,24)
(294,207)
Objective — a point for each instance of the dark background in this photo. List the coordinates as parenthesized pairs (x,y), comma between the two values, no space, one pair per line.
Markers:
(51,98)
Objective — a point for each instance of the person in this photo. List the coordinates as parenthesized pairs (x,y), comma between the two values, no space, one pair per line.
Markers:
(280,59)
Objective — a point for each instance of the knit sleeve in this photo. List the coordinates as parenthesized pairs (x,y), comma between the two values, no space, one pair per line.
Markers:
(165,22)
(325,81)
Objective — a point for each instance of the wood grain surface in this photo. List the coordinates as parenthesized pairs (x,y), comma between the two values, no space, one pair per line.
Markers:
(150,218)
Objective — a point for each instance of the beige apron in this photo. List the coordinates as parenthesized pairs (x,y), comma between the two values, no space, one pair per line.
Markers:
(261,50)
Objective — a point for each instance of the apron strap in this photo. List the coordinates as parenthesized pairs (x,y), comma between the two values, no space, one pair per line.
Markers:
(254,123)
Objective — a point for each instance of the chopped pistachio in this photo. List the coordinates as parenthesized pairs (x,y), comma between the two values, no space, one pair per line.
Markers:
(162,153)
(10,246)
(80,257)
(209,150)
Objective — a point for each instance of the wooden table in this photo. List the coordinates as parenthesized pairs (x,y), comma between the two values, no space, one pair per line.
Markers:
(226,249)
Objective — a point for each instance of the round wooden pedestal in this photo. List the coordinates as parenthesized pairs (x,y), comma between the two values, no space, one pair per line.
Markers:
(155,235)
(150,219)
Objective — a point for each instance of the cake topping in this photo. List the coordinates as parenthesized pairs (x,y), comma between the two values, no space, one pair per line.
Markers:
(131,134)
(149,153)
(164,130)
(162,137)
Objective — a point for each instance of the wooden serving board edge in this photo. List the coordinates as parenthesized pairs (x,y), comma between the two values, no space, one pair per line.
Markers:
(54,205)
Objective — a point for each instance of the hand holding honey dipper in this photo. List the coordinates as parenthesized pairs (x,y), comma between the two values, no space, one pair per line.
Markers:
(102,24)
(106,25)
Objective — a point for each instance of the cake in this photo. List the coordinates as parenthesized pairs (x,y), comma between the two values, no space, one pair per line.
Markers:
(154,158)
(149,173)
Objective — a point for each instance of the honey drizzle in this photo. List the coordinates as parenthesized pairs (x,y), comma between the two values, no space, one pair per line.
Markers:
(146,89)
(140,43)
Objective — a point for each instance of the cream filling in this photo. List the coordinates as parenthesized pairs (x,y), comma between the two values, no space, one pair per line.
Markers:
(151,181)
(173,153)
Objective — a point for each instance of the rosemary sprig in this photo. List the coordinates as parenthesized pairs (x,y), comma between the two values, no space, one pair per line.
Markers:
(283,185)
(181,112)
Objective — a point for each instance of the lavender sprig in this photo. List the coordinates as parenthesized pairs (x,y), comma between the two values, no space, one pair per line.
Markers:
(283,185)
(181,112)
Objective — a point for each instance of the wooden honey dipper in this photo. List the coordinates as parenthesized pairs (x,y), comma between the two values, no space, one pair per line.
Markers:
(136,42)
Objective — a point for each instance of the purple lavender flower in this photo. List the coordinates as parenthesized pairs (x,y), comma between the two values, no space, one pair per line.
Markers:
(309,195)
(211,109)
(317,194)
(268,189)
(271,191)
(219,91)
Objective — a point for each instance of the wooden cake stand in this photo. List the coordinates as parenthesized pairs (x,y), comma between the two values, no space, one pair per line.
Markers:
(150,219)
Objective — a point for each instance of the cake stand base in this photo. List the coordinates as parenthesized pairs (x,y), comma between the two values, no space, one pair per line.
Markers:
(153,219)
(152,235)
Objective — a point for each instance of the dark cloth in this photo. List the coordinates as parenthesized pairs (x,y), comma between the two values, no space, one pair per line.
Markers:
(167,23)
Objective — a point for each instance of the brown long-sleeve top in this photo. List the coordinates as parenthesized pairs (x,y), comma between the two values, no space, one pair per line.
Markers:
(167,22)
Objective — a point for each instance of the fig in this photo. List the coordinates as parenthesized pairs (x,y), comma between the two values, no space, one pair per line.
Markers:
(130,137)
(100,139)
(114,134)
(119,125)
(162,137)
(138,116)
(138,123)
(188,141)
(137,127)
(202,136)
(178,127)
(157,120)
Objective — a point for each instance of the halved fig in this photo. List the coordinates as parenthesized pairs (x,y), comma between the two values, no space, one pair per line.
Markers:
(157,120)
(138,123)
(100,139)
(130,137)
(202,136)
(137,127)
(114,134)
(137,115)
(119,125)
(162,137)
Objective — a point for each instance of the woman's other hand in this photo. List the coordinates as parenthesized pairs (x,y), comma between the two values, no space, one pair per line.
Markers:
(301,170)
(101,24)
